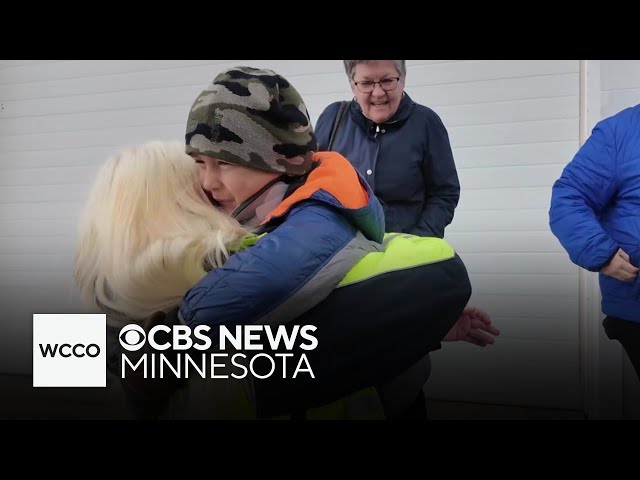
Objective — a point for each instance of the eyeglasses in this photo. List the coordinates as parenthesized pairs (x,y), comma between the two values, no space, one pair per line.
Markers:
(368,86)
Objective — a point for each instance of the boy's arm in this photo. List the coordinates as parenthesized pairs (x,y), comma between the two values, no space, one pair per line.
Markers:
(284,274)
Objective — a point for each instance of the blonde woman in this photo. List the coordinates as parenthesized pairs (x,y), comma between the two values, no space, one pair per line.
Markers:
(147,234)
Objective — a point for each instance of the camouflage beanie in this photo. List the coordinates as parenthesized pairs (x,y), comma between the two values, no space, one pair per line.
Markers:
(254,118)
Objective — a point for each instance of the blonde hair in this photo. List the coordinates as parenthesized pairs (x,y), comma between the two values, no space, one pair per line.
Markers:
(148,233)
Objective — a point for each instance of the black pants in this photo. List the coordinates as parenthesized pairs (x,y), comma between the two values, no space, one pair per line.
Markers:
(628,334)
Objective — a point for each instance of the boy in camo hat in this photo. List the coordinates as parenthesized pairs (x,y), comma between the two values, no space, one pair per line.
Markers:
(251,136)
(250,133)
(252,118)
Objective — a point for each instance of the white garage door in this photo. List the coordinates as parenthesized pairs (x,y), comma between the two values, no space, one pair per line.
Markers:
(513,126)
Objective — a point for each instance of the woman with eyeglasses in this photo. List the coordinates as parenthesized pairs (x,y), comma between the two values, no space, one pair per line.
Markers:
(401,148)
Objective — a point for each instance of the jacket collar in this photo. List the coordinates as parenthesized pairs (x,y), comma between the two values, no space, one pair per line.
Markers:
(404,110)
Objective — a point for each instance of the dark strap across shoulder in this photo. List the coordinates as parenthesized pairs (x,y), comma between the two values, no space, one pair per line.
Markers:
(336,124)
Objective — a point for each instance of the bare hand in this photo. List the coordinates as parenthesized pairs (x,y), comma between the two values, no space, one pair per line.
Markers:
(470,327)
(620,267)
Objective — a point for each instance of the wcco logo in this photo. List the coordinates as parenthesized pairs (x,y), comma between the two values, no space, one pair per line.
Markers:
(78,350)
(69,350)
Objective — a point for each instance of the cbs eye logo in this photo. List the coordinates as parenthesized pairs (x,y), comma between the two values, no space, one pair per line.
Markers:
(132,337)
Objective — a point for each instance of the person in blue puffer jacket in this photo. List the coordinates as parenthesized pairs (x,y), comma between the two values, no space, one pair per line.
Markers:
(595,214)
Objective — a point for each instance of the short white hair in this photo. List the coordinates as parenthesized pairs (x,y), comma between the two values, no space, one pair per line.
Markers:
(350,66)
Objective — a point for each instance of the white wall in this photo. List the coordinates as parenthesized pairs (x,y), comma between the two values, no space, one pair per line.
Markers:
(620,85)
(513,127)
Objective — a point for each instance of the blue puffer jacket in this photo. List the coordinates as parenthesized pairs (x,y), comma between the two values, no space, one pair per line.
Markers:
(316,236)
(407,161)
(595,207)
